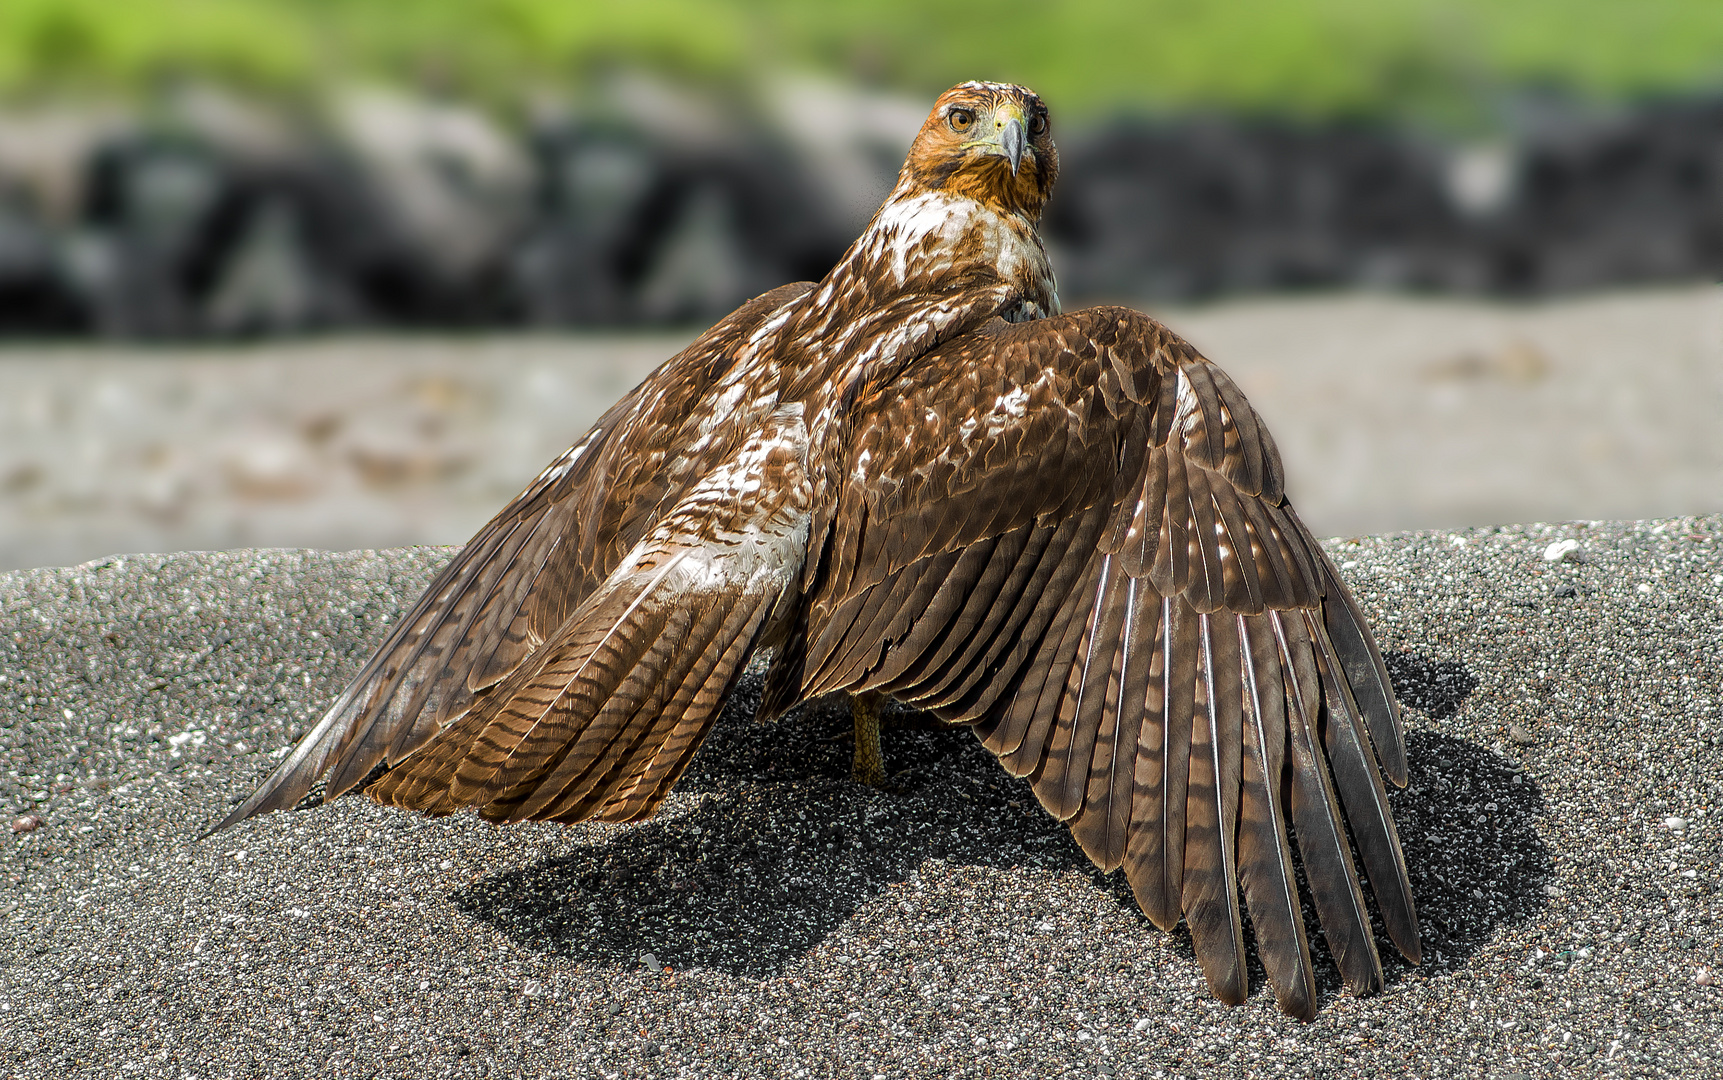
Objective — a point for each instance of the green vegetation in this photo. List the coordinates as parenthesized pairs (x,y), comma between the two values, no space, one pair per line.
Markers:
(1439,60)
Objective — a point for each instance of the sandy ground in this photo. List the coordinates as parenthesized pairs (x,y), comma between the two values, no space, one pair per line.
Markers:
(776,920)
(336,444)
(1391,413)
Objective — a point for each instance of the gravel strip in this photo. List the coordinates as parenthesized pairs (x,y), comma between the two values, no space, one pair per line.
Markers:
(776,920)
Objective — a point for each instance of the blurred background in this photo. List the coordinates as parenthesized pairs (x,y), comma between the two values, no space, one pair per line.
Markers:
(345,273)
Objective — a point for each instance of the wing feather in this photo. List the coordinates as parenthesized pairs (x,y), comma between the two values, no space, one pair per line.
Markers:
(988,674)
(627,785)
(431,690)
(1364,798)
(1366,675)
(1143,541)
(1205,428)
(512,641)
(1316,816)
(581,700)
(975,594)
(704,697)
(402,720)
(1171,571)
(1275,573)
(1038,712)
(841,659)
(1264,856)
(1242,592)
(1085,699)
(1103,825)
(1210,898)
(1155,853)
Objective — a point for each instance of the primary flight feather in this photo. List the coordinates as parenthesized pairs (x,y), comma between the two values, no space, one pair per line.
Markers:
(918,479)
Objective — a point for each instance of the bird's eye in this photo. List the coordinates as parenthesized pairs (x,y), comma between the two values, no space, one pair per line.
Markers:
(960,119)
(1037,124)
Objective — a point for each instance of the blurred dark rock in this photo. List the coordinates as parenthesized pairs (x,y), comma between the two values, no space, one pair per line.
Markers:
(1205,207)
(634,227)
(653,207)
(33,296)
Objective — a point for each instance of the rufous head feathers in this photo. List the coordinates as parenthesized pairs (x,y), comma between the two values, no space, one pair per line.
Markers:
(991,142)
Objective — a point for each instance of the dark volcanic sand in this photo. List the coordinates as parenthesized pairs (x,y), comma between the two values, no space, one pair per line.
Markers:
(1561,827)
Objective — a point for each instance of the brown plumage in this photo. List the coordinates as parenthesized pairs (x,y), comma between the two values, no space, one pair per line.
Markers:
(918,478)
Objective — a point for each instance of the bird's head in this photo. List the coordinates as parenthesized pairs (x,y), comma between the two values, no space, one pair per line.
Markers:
(990,142)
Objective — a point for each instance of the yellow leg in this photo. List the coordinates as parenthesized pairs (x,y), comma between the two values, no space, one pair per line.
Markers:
(869,766)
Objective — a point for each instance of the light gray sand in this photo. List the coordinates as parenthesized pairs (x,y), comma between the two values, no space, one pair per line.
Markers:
(1391,413)
(1567,882)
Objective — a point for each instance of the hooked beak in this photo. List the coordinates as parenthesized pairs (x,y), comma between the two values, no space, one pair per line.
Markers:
(1012,142)
(1007,139)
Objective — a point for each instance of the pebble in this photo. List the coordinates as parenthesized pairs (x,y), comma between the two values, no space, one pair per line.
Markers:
(1675,824)
(652,963)
(1520,735)
(1705,977)
(26,824)
(1564,551)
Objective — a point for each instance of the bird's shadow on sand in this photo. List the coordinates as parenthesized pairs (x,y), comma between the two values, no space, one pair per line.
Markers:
(781,847)
(1467,822)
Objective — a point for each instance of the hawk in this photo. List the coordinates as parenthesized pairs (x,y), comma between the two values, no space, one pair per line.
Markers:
(919,479)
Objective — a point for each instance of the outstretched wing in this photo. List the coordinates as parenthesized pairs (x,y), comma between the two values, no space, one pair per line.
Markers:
(519,580)
(601,721)
(1072,533)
